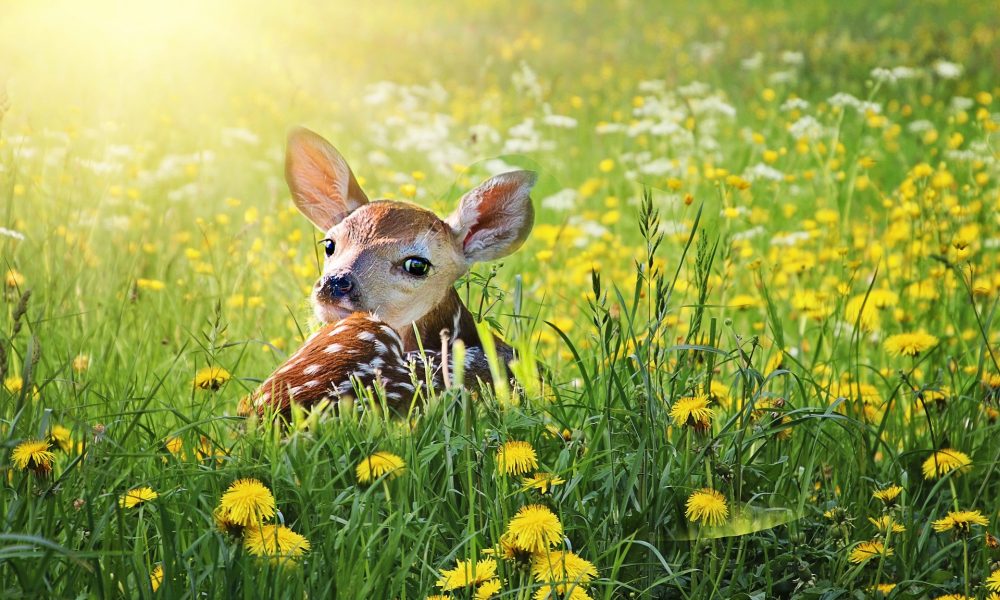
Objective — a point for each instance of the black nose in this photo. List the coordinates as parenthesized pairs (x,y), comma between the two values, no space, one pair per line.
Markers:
(339,286)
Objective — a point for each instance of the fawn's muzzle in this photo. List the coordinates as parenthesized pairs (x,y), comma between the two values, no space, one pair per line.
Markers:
(338,286)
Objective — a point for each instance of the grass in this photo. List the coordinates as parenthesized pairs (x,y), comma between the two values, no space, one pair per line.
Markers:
(717,220)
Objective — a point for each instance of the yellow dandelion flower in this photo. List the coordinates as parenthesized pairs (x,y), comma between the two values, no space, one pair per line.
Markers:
(718,392)
(707,506)
(81,363)
(156,577)
(379,464)
(438,597)
(14,279)
(862,311)
(509,550)
(867,550)
(13,384)
(910,344)
(61,437)
(946,461)
(865,392)
(208,450)
(559,566)
(516,458)
(692,410)
(954,597)
(888,495)
(535,528)
(742,302)
(960,521)
(224,524)
(544,482)
(175,446)
(275,541)
(488,589)
(247,502)
(150,284)
(467,573)
(562,591)
(993,581)
(886,524)
(211,378)
(33,455)
(884,588)
(137,496)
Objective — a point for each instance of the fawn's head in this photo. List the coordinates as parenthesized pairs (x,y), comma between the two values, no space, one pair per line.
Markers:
(396,259)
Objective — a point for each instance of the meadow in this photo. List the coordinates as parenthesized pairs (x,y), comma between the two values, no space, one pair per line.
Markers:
(763,283)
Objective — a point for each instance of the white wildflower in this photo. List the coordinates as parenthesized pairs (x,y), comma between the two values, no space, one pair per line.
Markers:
(561,201)
(791,57)
(806,127)
(238,135)
(17,235)
(947,70)
(561,121)
(794,104)
(782,77)
(763,171)
(753,63)
(790,239)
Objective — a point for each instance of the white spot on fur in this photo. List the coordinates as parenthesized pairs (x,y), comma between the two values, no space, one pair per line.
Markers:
(311,383)
(389,331)
(312,369)
(366,336)
(333,348)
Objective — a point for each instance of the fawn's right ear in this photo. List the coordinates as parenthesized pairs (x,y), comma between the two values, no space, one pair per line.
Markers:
(322,185)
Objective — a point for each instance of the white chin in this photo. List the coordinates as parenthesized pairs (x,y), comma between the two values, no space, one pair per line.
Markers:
(328,313)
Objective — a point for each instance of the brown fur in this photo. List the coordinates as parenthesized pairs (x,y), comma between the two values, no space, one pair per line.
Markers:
(359,349)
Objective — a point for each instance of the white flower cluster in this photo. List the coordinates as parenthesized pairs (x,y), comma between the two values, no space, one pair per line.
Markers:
(894,74)
(843,99)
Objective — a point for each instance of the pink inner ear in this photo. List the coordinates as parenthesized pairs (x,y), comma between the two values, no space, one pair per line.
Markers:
(468,237)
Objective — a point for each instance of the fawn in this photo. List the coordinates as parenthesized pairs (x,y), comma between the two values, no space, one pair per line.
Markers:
(387,287)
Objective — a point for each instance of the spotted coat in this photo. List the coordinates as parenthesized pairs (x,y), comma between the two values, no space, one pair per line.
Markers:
(361,351)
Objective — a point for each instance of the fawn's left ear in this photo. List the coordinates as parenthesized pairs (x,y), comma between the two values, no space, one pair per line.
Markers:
(494,219)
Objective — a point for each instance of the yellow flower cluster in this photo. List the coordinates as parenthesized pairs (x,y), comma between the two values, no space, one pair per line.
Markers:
(245,509)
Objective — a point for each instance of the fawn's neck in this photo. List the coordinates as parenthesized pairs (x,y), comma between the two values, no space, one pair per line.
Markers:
(449,315)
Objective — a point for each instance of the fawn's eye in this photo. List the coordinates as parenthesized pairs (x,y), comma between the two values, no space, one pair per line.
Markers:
(417,266)
(330,246)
